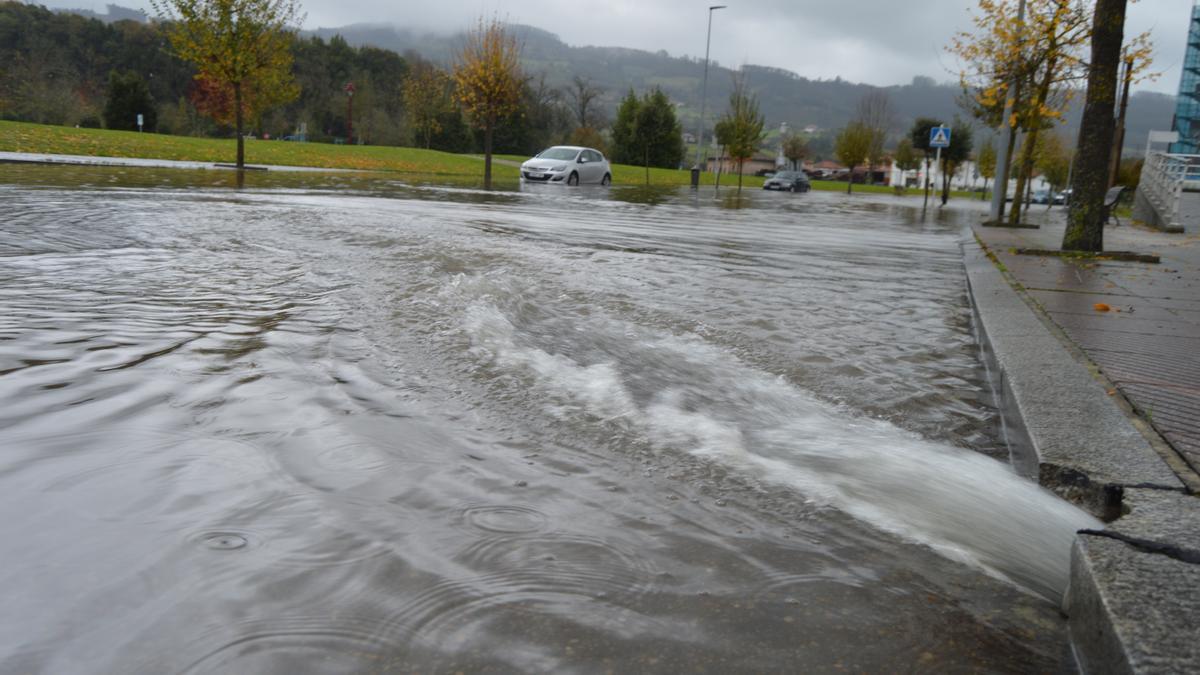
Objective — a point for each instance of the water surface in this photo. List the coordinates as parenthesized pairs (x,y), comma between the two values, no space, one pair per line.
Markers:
(345,424)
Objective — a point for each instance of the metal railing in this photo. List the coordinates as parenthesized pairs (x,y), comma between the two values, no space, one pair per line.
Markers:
(1164,177)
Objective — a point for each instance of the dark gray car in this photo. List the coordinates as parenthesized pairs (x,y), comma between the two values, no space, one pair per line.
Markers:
(791,181)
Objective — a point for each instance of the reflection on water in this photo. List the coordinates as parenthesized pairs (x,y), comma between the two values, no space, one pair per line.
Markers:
(340,423)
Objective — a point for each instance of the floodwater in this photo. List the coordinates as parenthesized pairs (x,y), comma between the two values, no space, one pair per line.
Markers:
(339,424)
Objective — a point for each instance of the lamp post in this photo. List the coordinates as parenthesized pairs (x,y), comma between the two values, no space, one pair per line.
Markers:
(703,100)
(349,89)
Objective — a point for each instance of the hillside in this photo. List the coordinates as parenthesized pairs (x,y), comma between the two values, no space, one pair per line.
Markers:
(784,96)
(55,71)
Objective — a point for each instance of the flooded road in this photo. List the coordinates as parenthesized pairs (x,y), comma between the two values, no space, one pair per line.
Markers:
(346,425)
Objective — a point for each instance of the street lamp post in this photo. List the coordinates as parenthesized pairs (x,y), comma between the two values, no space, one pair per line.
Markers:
(703,100)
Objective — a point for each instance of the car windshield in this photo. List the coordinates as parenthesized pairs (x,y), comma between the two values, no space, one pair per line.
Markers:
(786,175)
(558,153)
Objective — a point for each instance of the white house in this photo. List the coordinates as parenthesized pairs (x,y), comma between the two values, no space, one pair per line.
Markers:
(966,177)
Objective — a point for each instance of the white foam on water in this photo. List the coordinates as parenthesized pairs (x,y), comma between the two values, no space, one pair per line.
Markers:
(966,506)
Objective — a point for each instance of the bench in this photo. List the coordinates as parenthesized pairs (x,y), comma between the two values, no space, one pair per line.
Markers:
(1110,203)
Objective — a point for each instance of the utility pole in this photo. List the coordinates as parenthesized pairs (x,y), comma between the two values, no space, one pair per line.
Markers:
(703,100)
(1000,187)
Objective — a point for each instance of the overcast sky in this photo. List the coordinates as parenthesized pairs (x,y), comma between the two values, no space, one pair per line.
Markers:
(880,42)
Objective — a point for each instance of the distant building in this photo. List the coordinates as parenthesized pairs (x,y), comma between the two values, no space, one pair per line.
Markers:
(825,167)
(1187,104)
(966,178)
(749,168)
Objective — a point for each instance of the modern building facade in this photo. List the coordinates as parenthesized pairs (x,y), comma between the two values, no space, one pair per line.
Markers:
(1187,105)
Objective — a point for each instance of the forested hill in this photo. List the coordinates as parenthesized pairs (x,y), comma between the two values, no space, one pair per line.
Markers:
(784,96)
(55,68)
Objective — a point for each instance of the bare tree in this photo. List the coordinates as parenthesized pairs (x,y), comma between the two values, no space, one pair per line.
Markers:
(853,146)
(583,93)
(876,117)
(795,149)
(742,125)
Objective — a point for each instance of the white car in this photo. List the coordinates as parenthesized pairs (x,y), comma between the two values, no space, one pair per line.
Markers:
(568,164)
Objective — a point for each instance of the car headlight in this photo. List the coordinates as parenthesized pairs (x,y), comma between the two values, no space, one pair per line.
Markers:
(561,167)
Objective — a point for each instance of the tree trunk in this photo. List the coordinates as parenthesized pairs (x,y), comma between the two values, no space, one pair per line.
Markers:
(928,180)
(646,162)
(1119,140)
(1089,182)
(740,164)
(488,128)
(1024,172)
(945,181)
(1008,155)
(850,181)
(1029,150)
(237,124)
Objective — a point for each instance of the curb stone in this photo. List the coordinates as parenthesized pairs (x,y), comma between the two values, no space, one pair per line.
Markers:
(1134,596)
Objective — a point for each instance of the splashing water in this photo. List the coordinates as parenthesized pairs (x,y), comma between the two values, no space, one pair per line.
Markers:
(335,420)
(704,401)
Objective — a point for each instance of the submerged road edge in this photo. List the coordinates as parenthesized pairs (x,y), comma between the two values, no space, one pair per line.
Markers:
(1133,602)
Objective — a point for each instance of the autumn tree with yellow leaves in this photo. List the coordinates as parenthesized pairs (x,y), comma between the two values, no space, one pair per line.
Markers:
(488,82)
(241,48)
(427,93)
(1036,65)
(1031,63)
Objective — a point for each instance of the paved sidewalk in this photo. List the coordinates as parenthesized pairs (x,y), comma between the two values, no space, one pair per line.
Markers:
(1148,344)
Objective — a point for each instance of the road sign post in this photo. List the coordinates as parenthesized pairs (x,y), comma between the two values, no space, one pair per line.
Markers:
(939,137)
(140,119)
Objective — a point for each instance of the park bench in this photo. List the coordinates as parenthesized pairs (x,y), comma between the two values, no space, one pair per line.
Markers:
(1110,203)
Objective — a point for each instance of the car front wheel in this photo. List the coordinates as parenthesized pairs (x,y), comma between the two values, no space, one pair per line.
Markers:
(606,180)
(573,179)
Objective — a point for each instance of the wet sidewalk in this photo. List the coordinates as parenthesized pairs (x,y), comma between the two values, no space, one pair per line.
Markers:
(1148,341)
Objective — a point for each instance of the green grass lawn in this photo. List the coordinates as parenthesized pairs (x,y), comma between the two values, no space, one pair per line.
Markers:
(40,138)
(22,137)
(840,186)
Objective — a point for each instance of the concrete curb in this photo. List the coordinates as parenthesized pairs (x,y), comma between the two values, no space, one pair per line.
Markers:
(1134,596)
(1061,424)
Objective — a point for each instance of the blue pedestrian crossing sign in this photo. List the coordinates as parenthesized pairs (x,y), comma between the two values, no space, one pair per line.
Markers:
(939,137)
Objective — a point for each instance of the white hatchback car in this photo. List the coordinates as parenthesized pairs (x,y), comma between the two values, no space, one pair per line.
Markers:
(568,164)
